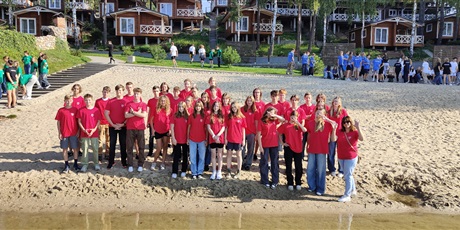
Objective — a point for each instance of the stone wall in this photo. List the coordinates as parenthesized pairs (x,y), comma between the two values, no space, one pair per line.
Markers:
(331,51)
(246,50)
(45,42)
(446,52)
(55,31)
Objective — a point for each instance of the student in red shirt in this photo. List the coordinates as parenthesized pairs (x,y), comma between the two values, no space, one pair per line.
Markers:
(104,137)
(267,137)
(175,99)
(215,126)
(189,105)
(129,97)
(320,132)
(160,121)
(235,134)
(309,109)
(187,89)
(212,82)
(274,102)
(88,120)
(67,131)
(179,140)
(151,107)
(213,97)
(135,114)
(260,105)
(115,115)
(347,152)
(196,135)
(293,133)
(77,100)
(164,90)
(250,113)
(195,94)
(206,103)
(226,104)
(284,105)
(336,113)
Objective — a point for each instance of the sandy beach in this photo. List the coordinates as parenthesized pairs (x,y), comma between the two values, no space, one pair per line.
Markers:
(411,147)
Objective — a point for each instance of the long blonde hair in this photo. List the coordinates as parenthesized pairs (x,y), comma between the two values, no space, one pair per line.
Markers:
(167,106)
(319,121)
(337,112)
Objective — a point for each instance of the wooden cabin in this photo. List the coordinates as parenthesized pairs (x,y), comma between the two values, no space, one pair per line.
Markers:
(431,29)
(182,13)
(392,32)
(30,20)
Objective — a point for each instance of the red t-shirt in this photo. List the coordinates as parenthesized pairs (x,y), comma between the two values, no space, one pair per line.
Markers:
(67,118)
(235,127)
(101,104)
(135,123)
(197,128)
(161,121)
(318,142)
(218,93)
(174,103)
(339,118)
(284,106)
(184,94)
(211,101)
(260,105)
(278,107)
(292,136)
(215,127)
(78,102)
(190,111)
(152,105)
(309,111)
(250,121)
(168,95)
(300,118)
(116,108)
(226,110)
(129,98)
(180,129)
(89,119)
(344,150)
(268,133)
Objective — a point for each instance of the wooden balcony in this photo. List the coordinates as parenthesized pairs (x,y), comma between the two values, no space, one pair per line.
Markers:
(289,11)
(189,13)
(79,5)
(155,29)
(405,39)
(344,18)
(428,17)
(267,27)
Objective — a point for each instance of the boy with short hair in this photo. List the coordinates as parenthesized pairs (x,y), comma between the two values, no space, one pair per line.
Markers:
(175,99)
(284,105)
(187,91)
(67,132)
(135,114)
(89,119)
(104,137)
(211,57)
(26,59)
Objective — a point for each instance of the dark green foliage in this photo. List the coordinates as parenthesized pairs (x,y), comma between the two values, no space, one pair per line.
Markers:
(158,53)
(230,56)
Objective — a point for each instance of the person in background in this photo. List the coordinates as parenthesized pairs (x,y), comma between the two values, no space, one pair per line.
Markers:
(26,59)
(312,64)
(250,114)
(366,66)
(305,63)
(335,113)
(350,67)
(446,72)
(376,64)
(192,52)
(398,68)
(110,47)
(454,70)
(357,65)
(437,72)
(218,55)
(211,58)
(11,84)
(407,64)
(174,53)
(235,134)
(327,72)
(426,71)
(290,62)
(44,73)
(202,54)
(340,59)
(196,136)
(345,65)
(104,137)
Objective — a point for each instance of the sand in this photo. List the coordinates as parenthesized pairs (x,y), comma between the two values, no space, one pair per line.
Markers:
(411,147)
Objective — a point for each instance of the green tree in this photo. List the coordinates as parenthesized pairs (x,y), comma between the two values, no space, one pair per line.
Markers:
(298,4)
(230,56)
(158,53)
(313,5)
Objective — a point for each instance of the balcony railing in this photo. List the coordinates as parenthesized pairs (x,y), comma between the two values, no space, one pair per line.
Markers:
(427,16)
(344,17)
(267,27)
(405,39)
(155,29)
(289,11)
(79,5)
(17,2)
(189,13)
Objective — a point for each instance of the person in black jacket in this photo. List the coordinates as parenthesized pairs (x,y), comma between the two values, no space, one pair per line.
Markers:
(110,47)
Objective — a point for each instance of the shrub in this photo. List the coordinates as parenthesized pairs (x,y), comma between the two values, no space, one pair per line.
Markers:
(143,48)
(319,67)
(127,51)
(230,56)
(158,53)
(75,52)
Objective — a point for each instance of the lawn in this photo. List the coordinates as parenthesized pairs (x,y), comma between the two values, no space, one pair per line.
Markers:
(60,60)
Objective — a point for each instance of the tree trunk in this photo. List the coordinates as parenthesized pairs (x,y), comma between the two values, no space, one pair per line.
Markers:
(272,44)
(362,32)
(413,32)
(421,18)
(299,31)
(324,30)
(441,25)
(312,32)
(10,16)
(104,21)
(258,25)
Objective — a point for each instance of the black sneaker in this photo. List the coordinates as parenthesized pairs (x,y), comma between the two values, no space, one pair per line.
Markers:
(150,154)
(255,157)
(206,168)
(109,166)
(80,153)
(76,167)
(137,157)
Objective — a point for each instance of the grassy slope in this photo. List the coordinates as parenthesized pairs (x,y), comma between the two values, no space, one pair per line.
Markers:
(59,60)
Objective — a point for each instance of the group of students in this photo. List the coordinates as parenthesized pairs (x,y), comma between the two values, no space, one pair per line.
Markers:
(308,63)
(214,53)
(13,77)
(199,127)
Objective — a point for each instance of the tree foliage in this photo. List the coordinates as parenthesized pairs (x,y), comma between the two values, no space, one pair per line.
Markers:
(158,53)
(230,56)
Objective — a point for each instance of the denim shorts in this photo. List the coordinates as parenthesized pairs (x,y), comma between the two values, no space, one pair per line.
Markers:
(233,146)
(72,141)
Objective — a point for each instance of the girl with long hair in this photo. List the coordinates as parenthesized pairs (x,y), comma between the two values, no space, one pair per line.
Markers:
(336,113)
(206,103)
(309,110)
(250,114)
(235,134)
(164,90)
(179,140)
(196,136)
(347,152)
(160,121)
(320,132)
(216,127)
(226,104)
(260,105)
(189,104)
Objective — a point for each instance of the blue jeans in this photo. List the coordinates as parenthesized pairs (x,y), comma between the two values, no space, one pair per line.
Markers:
(304,69)
(197,158)
(248,150)
(316,172)
(331,157)
(207,156)
(348,169)
(274,168)
(27,69)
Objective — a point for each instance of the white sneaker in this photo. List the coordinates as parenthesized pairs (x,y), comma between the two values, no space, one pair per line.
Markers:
(154,165)
(333,173)
(39,87)
(162,167)
(183,174)
(97,167)
(298,187)
(174,175)
(344,199)
(47,87)
(213,176)
(291,188)
(219,175)
(140,169)
(319,194)
(130,169)
(84,168)
(340,175)
(354,193)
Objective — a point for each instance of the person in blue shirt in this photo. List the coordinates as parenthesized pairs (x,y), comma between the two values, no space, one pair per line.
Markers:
(290,62)
(312,64)
(340,59)
(350,67)
(357,61)
(305,63)
(345,65)
(366,66)
(376,63)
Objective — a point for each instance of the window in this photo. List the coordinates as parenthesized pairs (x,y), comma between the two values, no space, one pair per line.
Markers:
(126,25)
(381,35)
(54,4)
(166,8)
(222,2)
(352,36)
(364,33)
(429,27)
(392,13)
(109,8)
(243,24)
(28,26)
(448,29)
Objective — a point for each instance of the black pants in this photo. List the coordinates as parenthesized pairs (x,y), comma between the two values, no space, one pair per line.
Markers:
(151,137)
(113,141)
(311,71)
(218,61)
(304,70)
(180,150)
(397,71)
(406,76)
(304,143)
(288,155)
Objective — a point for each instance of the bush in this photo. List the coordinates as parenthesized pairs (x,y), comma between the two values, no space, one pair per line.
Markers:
(143,48)
(158,53)
(75,52)
(230,56)
(127,51)
(13,44)
(319,66)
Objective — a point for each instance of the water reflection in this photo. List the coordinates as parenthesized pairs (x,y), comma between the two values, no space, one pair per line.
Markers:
(108,221)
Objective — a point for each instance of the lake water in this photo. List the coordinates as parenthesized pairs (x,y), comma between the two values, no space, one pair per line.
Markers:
(225,221)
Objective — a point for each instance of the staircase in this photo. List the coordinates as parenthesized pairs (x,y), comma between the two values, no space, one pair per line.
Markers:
(213,31)
(67,77)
